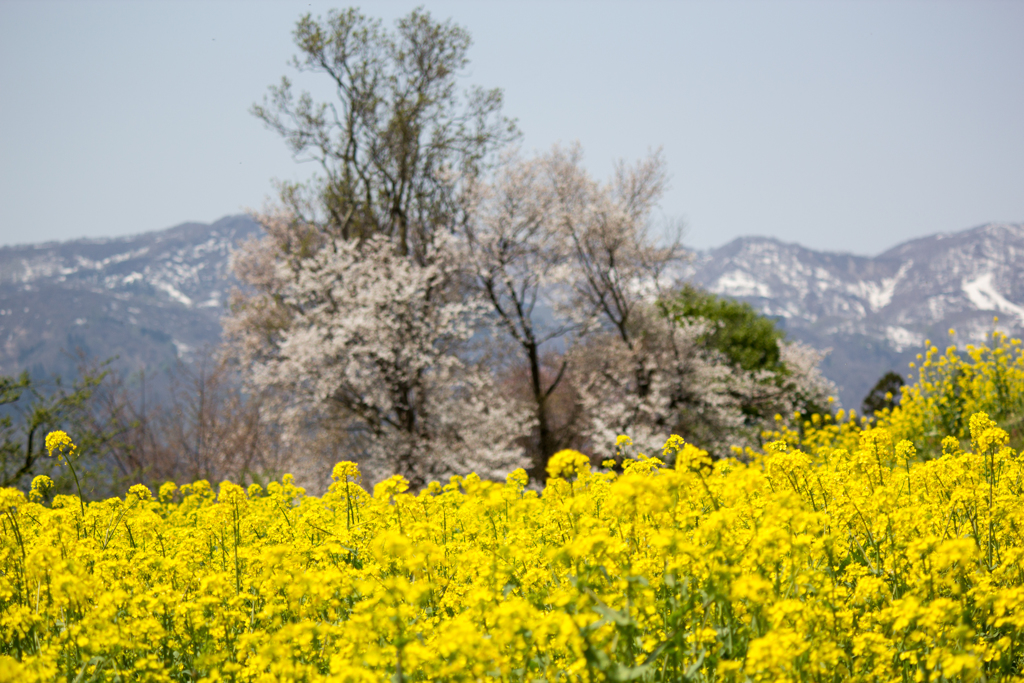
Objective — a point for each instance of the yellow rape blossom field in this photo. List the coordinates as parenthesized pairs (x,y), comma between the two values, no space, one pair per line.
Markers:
(837,554)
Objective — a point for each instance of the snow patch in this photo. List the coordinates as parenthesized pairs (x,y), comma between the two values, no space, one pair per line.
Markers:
(982,293)
(181,347)
(879,294)
(740,283)
(173,292)
(901,338)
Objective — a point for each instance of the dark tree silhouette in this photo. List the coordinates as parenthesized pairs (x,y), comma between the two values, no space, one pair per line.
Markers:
(885,394)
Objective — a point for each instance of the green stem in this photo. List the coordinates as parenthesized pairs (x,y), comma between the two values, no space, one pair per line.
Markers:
(77,486)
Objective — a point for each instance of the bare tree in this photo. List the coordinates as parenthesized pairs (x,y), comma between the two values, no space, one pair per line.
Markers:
(197,422)
(211,428)
(522,265)
(123,408)
(401,140)
(561,257)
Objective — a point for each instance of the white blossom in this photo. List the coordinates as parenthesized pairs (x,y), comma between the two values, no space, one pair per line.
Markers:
(364,342)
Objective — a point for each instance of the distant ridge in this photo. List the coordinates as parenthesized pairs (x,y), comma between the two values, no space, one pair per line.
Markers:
(876,312)
(148,298)
(154,297)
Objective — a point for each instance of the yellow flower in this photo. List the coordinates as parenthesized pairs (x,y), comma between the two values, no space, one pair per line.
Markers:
(41,487)
(59,441)
(568,462)
(674,444)
(833,552)
(166,491)
(692,458)
(140,491)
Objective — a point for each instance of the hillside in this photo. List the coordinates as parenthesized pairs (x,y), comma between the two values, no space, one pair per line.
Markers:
(147,298)
(875,312)
(158,296)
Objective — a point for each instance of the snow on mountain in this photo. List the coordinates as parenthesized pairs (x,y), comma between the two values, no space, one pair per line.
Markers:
(158,296)
(876,312)
(148,298)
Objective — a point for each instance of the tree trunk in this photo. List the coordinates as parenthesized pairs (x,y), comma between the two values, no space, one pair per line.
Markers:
(546,445)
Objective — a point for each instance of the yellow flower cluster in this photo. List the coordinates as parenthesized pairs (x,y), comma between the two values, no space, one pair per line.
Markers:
(934,412)
(959,383)
(59,441)
(846,564)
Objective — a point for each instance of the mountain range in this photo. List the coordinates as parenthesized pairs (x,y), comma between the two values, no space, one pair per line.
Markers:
(157,297)
(875,313)
(148,299)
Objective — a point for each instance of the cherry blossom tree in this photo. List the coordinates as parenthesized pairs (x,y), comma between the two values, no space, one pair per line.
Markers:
(691,389)
(356,311)
(361,341)
(569,262)
(521,265)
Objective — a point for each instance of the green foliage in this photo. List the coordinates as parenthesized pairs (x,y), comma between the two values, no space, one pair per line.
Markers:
(748,339)
(745,361)
(30,409)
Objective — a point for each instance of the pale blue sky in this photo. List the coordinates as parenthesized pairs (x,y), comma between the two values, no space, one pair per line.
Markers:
(840,125)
